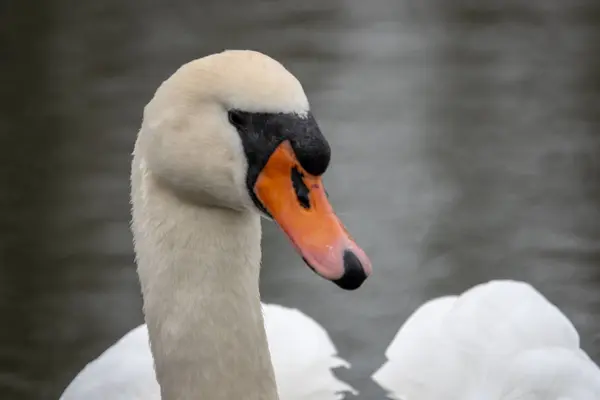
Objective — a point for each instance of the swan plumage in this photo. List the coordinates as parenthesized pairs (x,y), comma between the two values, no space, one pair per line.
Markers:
(124,371)
(501,340)
(302,353)
(303,356)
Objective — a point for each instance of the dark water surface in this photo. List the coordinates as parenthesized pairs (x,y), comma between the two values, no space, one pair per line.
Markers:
(466,147)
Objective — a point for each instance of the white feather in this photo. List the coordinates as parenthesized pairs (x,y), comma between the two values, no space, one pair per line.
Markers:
(303,356)
(497,341)
(301,350)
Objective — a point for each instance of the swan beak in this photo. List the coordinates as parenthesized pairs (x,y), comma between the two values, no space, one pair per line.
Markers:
(298,203)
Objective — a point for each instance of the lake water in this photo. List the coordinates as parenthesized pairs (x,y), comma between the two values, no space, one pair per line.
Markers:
(466,147)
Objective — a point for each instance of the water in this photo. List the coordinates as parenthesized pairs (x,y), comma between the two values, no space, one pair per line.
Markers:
(465,148)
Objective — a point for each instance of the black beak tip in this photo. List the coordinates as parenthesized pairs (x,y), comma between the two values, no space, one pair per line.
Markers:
(354,273)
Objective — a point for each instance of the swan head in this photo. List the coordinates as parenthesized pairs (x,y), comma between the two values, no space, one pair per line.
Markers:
(235,130)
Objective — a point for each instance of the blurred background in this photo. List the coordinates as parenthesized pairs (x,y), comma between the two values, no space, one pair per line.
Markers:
(466,147)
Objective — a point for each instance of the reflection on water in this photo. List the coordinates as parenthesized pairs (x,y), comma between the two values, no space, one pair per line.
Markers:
(464,139)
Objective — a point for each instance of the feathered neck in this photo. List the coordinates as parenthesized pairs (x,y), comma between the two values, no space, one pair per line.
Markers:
(199,270)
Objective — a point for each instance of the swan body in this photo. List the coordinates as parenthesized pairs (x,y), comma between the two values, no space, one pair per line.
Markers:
(226,139)
(501,340)
(302,353)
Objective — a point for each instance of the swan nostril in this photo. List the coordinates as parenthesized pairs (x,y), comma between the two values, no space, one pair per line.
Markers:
(354,273)
(300,188)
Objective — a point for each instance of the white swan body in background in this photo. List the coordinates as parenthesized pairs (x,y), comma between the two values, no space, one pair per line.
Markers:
(501,340)
(226,139)
(302,353)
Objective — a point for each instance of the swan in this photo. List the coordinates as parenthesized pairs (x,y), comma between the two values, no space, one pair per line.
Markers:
(226,139)
(500,340)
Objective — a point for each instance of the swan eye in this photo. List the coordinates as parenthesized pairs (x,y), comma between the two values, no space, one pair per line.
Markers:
(236,118)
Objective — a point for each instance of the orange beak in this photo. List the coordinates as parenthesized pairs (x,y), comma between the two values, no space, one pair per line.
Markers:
(298,203)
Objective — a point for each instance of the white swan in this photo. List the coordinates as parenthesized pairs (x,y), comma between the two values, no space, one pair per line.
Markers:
(225,139)
(497,341)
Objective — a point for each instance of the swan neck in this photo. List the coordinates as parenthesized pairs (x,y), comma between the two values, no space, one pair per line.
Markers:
(199,271)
